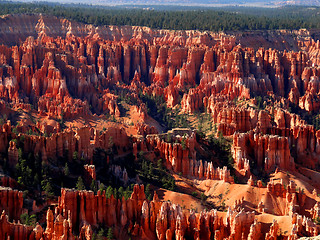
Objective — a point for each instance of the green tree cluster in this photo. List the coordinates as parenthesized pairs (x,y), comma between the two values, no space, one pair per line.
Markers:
(155,174)
(29,220)
(118,193)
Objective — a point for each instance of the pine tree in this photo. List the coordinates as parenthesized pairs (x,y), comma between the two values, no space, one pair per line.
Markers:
(110,234)
(102,187)
(75,155)
(100,234)
(66,170)
(47,187)
(109,192)
(80,184)
(183,144)
(93,186)
(28,220)
(120,192)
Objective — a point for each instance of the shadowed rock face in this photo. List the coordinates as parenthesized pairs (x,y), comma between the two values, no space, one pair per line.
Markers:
(58,69)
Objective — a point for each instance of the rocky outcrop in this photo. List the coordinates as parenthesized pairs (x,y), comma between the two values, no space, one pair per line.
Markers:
(293,197)
(315,211)
(7,181)
(269,151)
(177,148)
(239,223)
(82,141)
(302,223)
(273,232)
(13,154)
(176,155)
(5,132)
(64,75)
(146,219)
(84,67)
(57,227)
(144,129)
(97,209)
(172,221)
(11,201)
(14,230)
(89,174)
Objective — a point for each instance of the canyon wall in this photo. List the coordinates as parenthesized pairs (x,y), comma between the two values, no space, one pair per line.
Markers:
(143,219)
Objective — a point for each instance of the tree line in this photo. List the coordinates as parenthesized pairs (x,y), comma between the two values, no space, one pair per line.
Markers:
(212,19)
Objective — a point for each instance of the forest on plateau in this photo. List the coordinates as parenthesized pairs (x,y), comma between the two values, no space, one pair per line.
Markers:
(204,19)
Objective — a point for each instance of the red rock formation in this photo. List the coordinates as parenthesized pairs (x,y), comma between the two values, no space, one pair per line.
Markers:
(293,200)
(97,209)
(12,154)
(89,174)
(5,131)
(58,227)
(192,101)
(176,155)
(239,223)
(14,230)
(315,211)
(181,157)
(7,181)
(63,70)
(269,151)
(273,232)
(74,70)
(68,141)
(302,223)
(11,201)
(112,136)
(255,231)
(146,219)
(143,129)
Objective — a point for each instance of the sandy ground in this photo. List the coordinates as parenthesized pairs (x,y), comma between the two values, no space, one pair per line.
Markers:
(186,201)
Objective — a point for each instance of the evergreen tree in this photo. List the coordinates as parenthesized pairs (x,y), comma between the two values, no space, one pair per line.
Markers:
(110,234)
(102,187)
(120,192)
(75,155)
(80,184)
(93,186)
(148,192)
(109,192)
(183,143)
(28,220)
(48,190)
(100,235)
(66,170)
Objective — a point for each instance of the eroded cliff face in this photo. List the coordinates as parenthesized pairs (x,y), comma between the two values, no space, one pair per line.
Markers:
(11,202)
(144,219)
(67,70)
(70,90)
(87,60)
(177,149)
